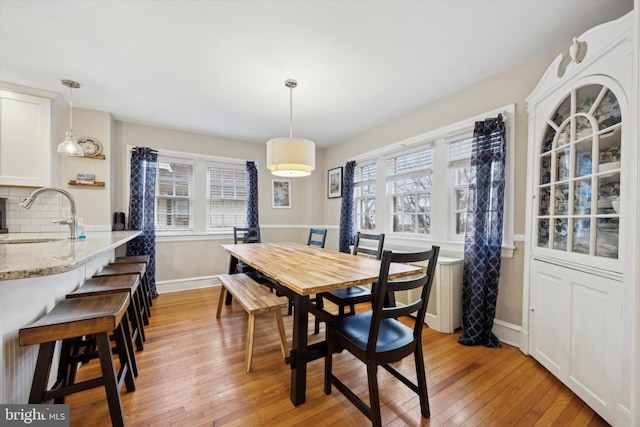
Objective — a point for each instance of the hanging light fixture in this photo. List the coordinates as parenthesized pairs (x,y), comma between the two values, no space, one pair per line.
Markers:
(291,156)
(70,147)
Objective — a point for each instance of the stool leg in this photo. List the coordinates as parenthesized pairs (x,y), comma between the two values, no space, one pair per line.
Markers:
(146,295)
(125,354)
(110,383)
(129,341)
(66,367)
(41,375)
(136,322)
(139,312)
(140,293)
(251,328)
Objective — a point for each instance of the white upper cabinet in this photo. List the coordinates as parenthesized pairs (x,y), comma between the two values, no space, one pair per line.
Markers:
(26,151)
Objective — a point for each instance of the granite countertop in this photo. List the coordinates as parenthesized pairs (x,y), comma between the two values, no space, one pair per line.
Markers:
(25,255)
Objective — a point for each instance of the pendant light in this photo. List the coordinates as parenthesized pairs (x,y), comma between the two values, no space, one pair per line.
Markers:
(70,147)
(289,156)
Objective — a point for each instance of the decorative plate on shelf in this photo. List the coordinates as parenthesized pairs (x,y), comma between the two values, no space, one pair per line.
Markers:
(90,146)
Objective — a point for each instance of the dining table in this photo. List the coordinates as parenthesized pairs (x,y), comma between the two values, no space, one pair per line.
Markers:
(299,272)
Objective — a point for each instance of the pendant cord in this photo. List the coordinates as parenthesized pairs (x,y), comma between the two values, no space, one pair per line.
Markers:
(290,112)
(71,110)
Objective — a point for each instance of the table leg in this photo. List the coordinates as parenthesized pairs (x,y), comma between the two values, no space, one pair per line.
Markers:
(299,349)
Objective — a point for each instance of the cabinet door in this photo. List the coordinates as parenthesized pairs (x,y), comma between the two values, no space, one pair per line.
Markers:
(25,140)
(579,178)
(576,327)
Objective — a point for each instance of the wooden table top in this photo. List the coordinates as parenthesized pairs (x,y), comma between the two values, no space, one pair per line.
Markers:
(307,270)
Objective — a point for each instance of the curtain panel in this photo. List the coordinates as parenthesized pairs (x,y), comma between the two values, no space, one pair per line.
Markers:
(252,195)
(483,235)
(144,165)
(346,211)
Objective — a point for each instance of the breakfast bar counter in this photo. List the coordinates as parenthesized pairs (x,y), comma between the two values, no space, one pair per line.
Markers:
(37,270)
(25,255)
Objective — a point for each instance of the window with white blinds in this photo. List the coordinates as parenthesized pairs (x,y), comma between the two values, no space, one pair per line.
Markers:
(174,195)
(426,186)
(364,196)
(227,197)
(409,184)
(198,194)
(459,175)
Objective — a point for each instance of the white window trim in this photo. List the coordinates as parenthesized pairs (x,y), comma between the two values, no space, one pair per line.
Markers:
(441,234)
(199,231)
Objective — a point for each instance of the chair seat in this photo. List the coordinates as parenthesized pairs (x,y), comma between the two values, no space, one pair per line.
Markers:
(356,294)
(391,336)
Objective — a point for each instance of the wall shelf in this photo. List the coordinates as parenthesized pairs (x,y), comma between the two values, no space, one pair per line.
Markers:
(95,184)
(97,156)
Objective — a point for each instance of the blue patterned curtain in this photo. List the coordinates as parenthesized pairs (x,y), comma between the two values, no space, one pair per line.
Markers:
(252,195)
(483,236)
(144,164)
(346,211)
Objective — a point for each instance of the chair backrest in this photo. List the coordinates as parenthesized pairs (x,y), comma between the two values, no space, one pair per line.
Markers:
(418,299)
(370,244)
(317,237)
(246,235)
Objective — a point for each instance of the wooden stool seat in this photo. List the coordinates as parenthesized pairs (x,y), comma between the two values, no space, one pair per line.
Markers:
(254,299)
(132,259)
(122,269)
(114,284)
(71,318)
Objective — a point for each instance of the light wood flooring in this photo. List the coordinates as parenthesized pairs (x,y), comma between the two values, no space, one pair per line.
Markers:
(192,374)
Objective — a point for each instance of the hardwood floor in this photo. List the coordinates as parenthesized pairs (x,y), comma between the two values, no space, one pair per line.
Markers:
(192,374)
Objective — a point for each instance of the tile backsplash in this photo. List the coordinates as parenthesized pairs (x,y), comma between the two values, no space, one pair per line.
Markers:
(38,219)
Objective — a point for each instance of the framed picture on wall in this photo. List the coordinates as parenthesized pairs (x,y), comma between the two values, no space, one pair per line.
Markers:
(334,183)
(281,193)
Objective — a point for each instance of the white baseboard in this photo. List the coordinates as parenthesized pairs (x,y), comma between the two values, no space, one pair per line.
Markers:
(167,286)
(506,332)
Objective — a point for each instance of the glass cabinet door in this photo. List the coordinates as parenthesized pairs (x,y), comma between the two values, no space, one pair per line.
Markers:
(578,188)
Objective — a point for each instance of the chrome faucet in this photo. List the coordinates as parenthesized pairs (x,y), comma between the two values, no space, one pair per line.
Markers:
(71,222)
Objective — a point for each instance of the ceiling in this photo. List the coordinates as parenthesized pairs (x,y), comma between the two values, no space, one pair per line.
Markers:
(218,67)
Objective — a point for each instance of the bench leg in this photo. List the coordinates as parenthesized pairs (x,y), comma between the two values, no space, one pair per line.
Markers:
(223,291)
(283,337)
(251,328)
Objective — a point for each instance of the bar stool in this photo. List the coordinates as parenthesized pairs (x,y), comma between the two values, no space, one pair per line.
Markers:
(128,269)
(114,284)
(134,259)
(71,318)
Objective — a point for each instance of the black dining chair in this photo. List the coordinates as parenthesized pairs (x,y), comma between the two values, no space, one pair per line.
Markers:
(317,237)
(369,244)
(378,338)
(245,235)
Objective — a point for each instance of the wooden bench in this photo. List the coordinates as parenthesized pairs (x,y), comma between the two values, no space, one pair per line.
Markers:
(255,299)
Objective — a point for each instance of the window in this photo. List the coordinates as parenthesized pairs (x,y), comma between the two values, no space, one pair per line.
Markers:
(426,187)
(227,197)
(459,174)
(197,195)
(365,196)
(409,181)
(174,195)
